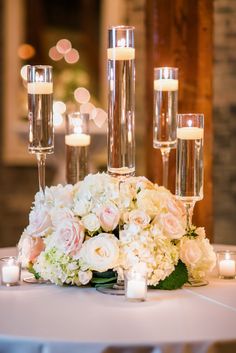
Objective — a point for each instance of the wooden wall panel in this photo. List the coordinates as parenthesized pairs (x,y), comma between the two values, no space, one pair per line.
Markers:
(179,33)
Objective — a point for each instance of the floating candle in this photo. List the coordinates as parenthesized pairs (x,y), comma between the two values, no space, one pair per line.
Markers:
(166,85)
(40,87)
(78,140)
(121,53)
(189,133)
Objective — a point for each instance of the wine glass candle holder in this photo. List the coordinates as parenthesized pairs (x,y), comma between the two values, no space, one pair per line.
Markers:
(165,112)
(121,78)
(77,142)
(189,163)
(40,102)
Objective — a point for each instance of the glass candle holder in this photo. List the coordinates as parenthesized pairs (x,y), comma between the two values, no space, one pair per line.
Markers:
(121,100)
(165,113)
(135,286)
(10,271)
(226,263)
(40,114)
(77,140)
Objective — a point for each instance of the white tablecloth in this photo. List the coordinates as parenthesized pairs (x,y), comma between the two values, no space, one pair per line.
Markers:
(47,318)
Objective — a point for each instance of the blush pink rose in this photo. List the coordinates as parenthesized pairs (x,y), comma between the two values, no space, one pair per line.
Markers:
(69,237)
(176,207)
(39,222)
(172,227)
(109,217)
(36,247)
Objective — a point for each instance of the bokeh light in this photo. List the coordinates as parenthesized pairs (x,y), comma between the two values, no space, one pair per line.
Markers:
(99,116)
(86,108)
(57,119)
(63,46)
(59,107)
(82,95)
(72,56)
(54,54)
(25,51)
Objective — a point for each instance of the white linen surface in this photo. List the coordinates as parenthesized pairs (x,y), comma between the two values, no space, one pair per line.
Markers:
(51,319)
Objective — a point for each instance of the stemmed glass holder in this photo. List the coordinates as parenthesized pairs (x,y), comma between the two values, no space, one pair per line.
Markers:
(40,113)
(165,111)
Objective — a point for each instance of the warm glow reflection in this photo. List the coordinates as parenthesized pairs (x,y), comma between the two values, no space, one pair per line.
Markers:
(99,116)
(25,51)
(63,46)
(72,56)
(82,95)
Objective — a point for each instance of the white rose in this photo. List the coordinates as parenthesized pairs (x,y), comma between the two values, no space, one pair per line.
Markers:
(91,222)
(101,252)
(190,252)
(61,196)
(59,215)
(82,207)
(139,217)
(39,222)
(172,227)
(85,276)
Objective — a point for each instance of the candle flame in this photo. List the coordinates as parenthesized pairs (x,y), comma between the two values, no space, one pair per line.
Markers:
(121,43)
(166,73)
(227,256)
(189,123)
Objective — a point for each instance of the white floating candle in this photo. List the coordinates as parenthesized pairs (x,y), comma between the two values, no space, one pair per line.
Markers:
(166,85)
(136,289)
(190,133)
(10,274)
(227,268)
(78,140)
(121,53)
(40,87)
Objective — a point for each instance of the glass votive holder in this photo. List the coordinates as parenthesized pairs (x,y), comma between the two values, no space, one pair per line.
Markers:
(135,286)
(10,271)
(226,263)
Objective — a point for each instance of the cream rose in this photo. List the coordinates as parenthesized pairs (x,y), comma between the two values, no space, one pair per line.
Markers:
(139,217)
(69,237)
(100,253)
(109,217)
(91,222)
(39,222)
(82,207)
(172,227)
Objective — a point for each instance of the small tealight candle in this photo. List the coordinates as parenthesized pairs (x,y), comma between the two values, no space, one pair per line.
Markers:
(226,264)
(10,271)
(135,286)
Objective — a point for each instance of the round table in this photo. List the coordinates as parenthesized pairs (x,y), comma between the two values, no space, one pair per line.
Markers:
(71,319)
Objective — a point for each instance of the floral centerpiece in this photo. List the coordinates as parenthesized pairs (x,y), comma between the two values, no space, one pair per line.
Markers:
(91,232)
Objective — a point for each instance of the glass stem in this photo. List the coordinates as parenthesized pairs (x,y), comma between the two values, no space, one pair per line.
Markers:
(41,158)
(189,213)
(165,152)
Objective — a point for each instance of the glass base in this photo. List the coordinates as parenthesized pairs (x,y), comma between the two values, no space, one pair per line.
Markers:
(112,289)
(121,172)
(196,283)
(33,280)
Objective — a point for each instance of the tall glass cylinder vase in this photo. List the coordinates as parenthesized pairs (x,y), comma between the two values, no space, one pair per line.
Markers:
(121,80)
(189,161)
(77,142)
(165,114)
(40,114)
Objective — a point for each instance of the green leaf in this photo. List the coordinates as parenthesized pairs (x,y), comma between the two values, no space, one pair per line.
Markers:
(106,274)
(32,270)
(96,280)
(176,279)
